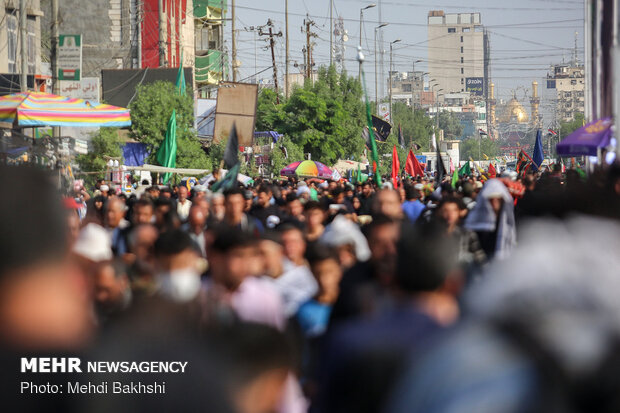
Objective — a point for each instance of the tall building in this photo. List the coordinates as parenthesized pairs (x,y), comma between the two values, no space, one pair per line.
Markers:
(458,53)
(10,56)
(209,33)
(407,87)
(569,82)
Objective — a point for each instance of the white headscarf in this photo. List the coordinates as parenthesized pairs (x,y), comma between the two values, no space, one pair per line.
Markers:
(482,217)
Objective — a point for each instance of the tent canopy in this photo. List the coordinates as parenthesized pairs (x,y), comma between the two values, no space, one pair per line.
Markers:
(587,139)
(163,169)
(35,109)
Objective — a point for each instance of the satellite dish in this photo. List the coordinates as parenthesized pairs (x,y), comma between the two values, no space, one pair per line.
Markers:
(345,38)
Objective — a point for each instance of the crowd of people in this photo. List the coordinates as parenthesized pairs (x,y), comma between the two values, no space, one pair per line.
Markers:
(307,296)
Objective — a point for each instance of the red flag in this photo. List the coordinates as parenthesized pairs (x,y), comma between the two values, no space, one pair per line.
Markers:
(395,167)
(492,171)
(412,166)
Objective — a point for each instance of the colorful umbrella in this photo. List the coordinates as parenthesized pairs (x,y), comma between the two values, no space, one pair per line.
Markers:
(307,169)
(33,109)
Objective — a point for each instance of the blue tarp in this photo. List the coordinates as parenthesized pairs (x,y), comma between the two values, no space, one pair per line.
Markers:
(135,154)
(269,134)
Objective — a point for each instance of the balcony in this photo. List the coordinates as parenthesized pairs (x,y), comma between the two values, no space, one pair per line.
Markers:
(209,9)
(209,68)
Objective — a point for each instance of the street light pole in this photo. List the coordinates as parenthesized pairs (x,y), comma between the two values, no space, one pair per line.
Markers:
(390,76)
(376,81)
(360,45)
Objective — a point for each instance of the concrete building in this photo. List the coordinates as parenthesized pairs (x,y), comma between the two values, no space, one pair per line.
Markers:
(458,52)
(211,60)
(10,57)
(407,87)
(471,112)
(569,82)
(124,34)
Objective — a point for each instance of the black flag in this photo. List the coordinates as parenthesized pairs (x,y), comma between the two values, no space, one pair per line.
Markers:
(441,169)
(232,149)
(382,128)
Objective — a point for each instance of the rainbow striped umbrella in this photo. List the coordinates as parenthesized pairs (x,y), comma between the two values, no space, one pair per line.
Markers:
(34,109)
(307,169)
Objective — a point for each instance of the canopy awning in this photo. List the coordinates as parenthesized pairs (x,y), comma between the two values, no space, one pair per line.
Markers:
(35,109)
(587,139)
(163,169)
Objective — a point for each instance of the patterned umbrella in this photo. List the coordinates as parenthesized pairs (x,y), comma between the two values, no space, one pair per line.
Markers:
(307,169)
(33,109)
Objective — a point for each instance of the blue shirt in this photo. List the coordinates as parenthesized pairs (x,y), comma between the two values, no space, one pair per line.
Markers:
(313,317)
(413,209)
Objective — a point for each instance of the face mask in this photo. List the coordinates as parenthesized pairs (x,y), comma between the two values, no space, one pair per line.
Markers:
(180,285)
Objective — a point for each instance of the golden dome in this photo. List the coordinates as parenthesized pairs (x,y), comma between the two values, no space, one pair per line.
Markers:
(514,112)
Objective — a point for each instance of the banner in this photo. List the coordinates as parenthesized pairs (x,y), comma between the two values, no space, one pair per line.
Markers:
(69,56)
(475,85)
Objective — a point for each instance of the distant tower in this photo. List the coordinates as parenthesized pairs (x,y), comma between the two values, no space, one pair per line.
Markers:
(341,37)
(535,102)
(492,103)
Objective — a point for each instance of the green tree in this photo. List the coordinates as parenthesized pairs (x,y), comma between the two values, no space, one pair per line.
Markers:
(416,125)
(106,143)
(150,112)
(469,149)
(279,158)
(451,125)
(567,128)
(324,118)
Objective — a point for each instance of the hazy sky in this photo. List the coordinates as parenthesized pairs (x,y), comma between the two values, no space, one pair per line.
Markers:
(526,37)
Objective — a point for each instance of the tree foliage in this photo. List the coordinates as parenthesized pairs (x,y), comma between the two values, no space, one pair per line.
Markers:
(416,125)
(150,112)
(324,118)
(567,128)
(469,148)
(451,125)
(106,143)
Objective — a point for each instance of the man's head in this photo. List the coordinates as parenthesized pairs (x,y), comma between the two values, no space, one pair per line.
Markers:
(366,189)
(387,202)
(142,240)
(234,204)
(315,214)
(412,194)
(112,290)
(43,301)
(143,212)
(218,206)
(115,212)
(153,191)
(263,196)
(182,193)
(326,269)
(179,265)
(232,256)
(293,242)
(197,218)
(450,210)
(294,207)
(272,253)
(382,235)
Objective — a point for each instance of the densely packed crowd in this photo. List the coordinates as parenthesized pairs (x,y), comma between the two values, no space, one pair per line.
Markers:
(301,295)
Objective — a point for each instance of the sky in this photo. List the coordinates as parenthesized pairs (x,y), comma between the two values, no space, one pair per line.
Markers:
(526,37)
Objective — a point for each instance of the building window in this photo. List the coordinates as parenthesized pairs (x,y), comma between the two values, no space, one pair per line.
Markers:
(406,87)
(451,30)
(208,38)
(462,59)
(466,29)
(11,31)
(573,82)
(462,71)
(462,81)
(461,49)
(461,39)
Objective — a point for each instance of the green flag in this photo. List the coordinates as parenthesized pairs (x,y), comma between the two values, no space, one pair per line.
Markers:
(167,152)
(358,177)
(455,178)
(465,170)
(180,83)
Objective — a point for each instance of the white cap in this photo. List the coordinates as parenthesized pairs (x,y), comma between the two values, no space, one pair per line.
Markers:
(104,187)
(93,243)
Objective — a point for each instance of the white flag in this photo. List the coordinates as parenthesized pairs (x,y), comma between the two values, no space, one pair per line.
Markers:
(434,142)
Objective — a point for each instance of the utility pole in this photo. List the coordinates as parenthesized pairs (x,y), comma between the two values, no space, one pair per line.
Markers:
(331,32)
(234,42)
(162,35)
(286,56)
(55,85)
(23,21)
(309,35)
(271,34)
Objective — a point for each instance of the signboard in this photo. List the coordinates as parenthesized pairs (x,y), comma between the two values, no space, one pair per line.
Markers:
(87,88)
(236,105)
(550,83)
(69,56)
(384,112)
(475,85)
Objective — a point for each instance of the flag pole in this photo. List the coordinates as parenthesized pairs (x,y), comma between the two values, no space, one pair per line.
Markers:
(373,145)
